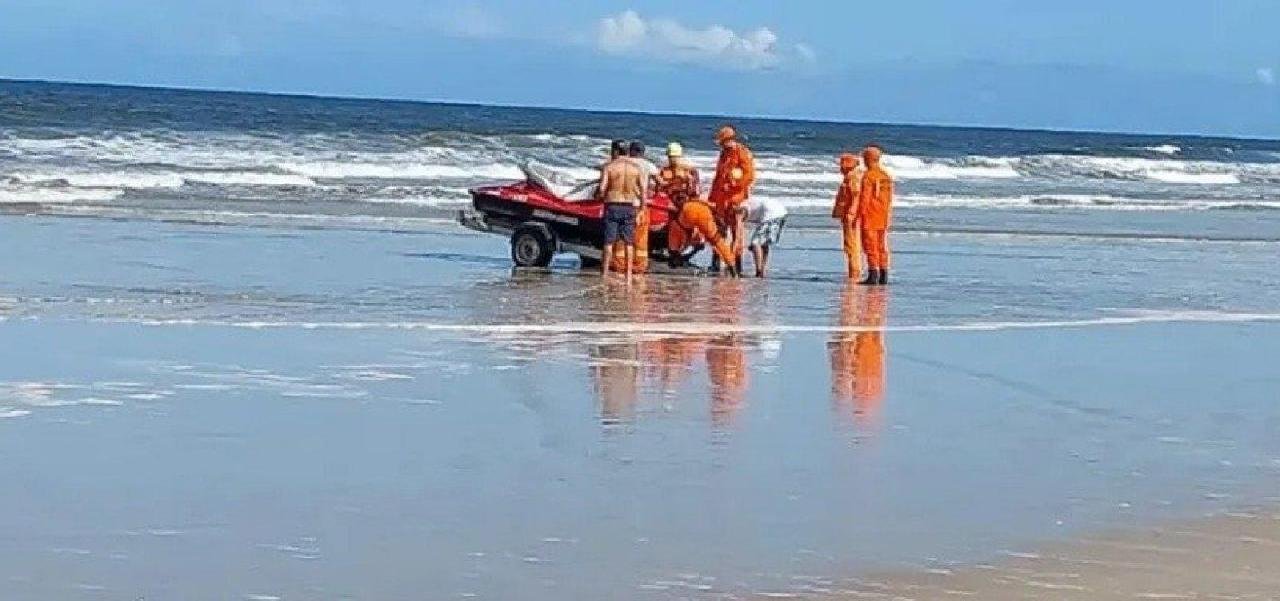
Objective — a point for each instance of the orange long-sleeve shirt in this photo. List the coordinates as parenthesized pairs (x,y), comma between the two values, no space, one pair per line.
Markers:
(726,190)
(847,195)
(875,199)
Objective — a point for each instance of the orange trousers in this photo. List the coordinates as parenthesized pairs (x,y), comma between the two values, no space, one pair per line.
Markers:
(875,243)
(641,262)
(696,219)
(852,246)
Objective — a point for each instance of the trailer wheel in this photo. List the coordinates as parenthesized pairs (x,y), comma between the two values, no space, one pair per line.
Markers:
(532,246)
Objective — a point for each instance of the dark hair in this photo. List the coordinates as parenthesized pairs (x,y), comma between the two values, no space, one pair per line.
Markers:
(636,149)
(618,148)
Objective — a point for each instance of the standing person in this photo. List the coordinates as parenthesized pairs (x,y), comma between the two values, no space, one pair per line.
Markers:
(679,179)
(622,191)
(875,211)
(635,151)
(691,216)
(769,217)
(735,174)
(846,211)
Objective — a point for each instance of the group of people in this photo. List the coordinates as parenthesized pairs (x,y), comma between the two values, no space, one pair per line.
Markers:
(719,218)
(863,206)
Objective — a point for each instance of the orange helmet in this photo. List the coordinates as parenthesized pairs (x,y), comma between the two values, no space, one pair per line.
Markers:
(871,154)
(848,162)
(726,133)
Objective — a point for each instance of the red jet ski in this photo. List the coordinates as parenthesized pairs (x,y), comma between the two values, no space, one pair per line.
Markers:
(545,214)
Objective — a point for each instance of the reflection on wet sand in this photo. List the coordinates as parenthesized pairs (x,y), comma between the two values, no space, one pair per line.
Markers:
(626,368)
(858,357)
(727,355)
(617,367)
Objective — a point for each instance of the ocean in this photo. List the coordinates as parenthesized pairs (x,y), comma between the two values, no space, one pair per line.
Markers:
(247,353)
(252,158)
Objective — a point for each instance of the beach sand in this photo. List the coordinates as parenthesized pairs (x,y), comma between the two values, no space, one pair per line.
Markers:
(1233,556)
(204,412)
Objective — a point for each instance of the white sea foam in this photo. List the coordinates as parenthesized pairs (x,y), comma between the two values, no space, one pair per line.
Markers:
(1169,149)
(1133,317)
(909,167)
(1183,177)
(346,170)
(416,201)
(144,180)
(120,179)
(55,196)
(245,178)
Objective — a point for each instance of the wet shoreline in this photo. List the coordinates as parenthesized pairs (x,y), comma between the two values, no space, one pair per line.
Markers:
(228,412)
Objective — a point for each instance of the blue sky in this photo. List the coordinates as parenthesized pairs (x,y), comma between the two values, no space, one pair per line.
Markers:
(1133,65)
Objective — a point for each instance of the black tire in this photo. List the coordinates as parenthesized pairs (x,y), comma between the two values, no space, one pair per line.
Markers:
(532,246)
(588,262)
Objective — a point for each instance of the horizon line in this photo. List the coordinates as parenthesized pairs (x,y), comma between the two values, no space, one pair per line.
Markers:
(621,111)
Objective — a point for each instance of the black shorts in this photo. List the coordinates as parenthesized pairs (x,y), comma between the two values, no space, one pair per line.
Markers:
(619,223)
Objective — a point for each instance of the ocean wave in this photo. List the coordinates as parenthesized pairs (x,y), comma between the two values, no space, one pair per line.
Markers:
(1169,171)
(55,196)
(130,180)
(418,201)
(1098,202)
(1183,177)
(1246,206)
(909,167)
(367,170)
(454,155)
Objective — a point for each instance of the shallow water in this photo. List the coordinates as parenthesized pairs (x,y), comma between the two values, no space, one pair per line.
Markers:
(240,412)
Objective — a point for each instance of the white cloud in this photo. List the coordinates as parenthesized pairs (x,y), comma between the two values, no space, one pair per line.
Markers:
(716,45)
(1267,76)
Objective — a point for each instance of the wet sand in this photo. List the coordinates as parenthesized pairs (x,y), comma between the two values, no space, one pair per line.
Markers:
(252,413)
(1232,556)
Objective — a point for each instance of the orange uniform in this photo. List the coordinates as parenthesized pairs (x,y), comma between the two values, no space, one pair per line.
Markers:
(735,174)
(875,208)
(696,219)
(846,211)
(679,182)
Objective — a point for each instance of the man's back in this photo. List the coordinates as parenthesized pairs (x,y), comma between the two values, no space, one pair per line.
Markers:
(622,181)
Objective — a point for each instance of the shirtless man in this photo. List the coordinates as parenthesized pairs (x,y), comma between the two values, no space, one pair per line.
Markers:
(621,189)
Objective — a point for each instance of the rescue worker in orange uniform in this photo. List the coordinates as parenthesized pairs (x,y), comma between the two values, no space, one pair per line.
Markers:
(846,212)
(693,218)
(858,357)
(735,174)
(875,211)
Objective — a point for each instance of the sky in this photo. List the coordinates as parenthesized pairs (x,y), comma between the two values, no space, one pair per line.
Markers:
(1166,66)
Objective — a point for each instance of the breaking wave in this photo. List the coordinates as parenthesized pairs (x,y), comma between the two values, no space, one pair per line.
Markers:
(435,168)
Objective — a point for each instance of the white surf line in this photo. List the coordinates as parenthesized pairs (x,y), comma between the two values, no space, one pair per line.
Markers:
(709,328)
